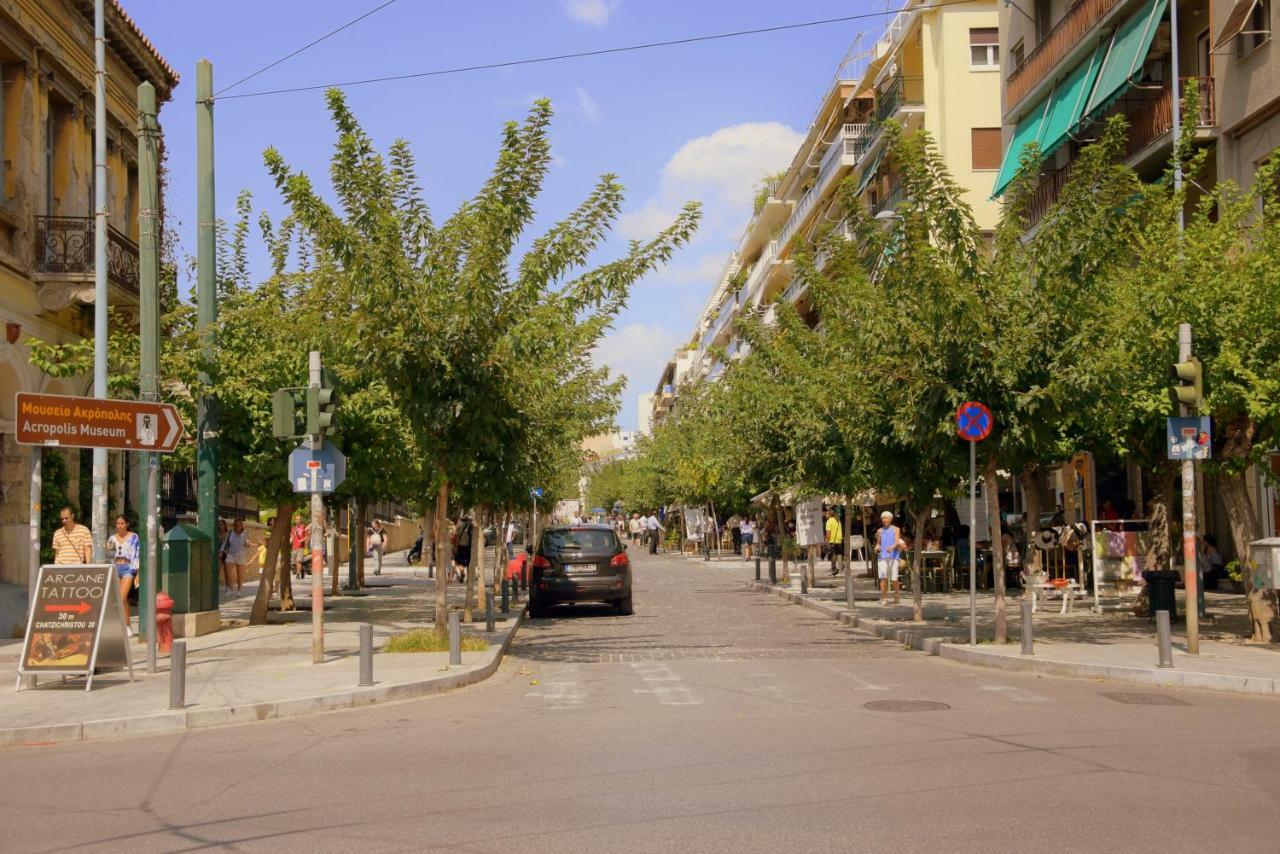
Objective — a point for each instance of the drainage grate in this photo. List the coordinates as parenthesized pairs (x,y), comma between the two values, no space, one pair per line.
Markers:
(1135,698)
(905,706)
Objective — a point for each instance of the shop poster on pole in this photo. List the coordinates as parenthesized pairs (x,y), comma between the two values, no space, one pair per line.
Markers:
(75,626)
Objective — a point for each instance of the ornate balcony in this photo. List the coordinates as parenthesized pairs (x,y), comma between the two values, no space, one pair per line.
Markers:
(64,248)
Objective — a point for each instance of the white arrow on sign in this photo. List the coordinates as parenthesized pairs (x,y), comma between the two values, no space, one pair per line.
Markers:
(175,429)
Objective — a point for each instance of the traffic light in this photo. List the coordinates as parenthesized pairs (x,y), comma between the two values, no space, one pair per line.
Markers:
(1189,388)
(288,414)
(321,404)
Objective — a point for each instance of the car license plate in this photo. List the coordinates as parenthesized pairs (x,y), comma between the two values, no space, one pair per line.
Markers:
(580,568)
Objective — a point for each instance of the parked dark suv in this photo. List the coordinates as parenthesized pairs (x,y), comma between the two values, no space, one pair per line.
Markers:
(580,563)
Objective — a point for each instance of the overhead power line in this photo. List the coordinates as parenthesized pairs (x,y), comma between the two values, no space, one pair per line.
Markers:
(307,46)
(442,72)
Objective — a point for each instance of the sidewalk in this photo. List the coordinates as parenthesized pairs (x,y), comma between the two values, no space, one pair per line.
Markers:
(1081,644)
(248,673)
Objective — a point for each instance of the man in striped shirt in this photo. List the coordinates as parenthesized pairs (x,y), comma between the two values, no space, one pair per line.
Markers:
(72,543)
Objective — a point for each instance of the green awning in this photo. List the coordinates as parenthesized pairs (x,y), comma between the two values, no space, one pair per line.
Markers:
(1127,52)
(868,173)
(1066,105)
(1029,130)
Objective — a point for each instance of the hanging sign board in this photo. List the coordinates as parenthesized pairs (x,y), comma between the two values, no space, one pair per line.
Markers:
(809,523)
(88,422)
(75,624)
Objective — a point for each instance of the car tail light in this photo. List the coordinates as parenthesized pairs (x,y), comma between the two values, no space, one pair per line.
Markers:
(619,560)
(540,562)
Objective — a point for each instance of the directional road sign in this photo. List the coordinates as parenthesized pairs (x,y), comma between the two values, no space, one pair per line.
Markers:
(320,469)
(974,421)
(536,492)
(90,422)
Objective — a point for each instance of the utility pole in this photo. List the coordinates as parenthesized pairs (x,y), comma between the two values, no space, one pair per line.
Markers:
(99,514)
(149,362)
(317,532)
(206,312)
(1189,580)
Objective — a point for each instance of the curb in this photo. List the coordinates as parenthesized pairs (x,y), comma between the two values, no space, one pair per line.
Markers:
(955,648)
(197,718)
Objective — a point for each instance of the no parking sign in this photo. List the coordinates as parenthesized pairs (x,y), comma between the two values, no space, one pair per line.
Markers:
(974,421)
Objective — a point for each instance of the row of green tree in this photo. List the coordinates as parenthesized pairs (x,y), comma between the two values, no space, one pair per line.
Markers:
(462,346)
(1067,334)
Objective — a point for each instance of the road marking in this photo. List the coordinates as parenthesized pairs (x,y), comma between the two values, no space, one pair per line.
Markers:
(1016,695)
(558,693)
(659,678)
(863,685)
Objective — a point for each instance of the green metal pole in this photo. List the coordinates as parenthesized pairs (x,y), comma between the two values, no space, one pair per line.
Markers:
(149,362)
(207,317)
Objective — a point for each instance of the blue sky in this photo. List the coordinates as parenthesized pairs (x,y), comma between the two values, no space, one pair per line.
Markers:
(702,122)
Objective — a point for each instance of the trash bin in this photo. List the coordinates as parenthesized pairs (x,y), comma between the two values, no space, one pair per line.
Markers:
(1160,587)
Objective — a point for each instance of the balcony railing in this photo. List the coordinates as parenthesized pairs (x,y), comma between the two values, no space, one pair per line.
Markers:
(797,287)
(64,245)
(1056,44)
(1046,194)
(1150,112)
(897,93)
(844,145)
(889,201)
(760,272)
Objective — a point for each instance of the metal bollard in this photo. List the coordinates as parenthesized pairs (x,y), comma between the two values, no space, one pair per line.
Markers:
(506,596)
(1163,639)
(804,581)
(366,655)
(488,614)
(455,637)
(178,675)
(1028,638)
(757,569)
(773,569)
(849,599)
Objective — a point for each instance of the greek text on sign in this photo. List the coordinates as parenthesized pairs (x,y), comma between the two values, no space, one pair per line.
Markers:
(90,422)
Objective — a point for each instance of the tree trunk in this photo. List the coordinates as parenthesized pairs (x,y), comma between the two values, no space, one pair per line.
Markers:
(917,563)
(284,572)
(1164,477)
(279,534)
(1032,478)
(474,560)
(444,557)
(1244,530)
(991,488)
(487,516)
(780,519)
(362,524)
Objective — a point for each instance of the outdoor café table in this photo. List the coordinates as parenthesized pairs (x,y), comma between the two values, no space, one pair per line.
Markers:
(933,563)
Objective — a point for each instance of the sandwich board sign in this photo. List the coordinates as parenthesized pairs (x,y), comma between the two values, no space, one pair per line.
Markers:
(75,625)
(809,523)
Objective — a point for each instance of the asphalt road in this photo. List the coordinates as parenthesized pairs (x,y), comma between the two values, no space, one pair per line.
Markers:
(712,720)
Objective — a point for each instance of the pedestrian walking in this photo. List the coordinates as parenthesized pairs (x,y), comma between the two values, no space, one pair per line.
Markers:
(888,553)
(652,527)
(509,539)
(222,552)
(298,544)
(375,544)
(72,543)
(834,540)
(462,536)
(126,552)
(238,553)
(747,530)
(633,527)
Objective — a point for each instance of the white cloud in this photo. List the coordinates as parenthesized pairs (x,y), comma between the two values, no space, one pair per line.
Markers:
(588,104)
(722,170)
(595,13)
(638,351)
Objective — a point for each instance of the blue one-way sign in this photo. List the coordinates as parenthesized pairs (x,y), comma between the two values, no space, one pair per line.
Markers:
(320,469)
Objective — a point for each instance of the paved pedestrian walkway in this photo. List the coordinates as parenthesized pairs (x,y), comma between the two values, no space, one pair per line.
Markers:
(244,673)
(1080,643)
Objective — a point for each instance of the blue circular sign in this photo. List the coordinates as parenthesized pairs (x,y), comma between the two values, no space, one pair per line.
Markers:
(974,421)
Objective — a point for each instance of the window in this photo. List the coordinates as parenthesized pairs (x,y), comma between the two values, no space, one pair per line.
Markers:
(984,48)
(1018,54)
(1249,24)
(986,148)
(1043,16)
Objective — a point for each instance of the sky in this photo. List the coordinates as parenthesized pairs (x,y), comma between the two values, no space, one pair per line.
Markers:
(694,122)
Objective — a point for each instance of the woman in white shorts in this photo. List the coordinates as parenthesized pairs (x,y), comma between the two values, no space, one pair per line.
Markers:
(888,552)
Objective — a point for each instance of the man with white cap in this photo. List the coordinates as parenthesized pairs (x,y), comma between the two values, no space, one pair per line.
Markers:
(888,551)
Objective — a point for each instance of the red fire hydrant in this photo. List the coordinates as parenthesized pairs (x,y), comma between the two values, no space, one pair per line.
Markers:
(164,621)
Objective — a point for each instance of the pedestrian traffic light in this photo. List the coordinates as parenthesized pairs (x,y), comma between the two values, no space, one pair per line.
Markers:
(321,404)
(288,413)
(1189,388)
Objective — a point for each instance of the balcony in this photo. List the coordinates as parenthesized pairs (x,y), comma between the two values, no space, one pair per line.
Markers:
(1045,56)
(841,152)
(1046,194)
(761,271)
(64,248)
(889,201)
(798,287)
(898,93)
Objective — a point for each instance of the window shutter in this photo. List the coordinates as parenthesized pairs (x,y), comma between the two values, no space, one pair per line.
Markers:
(986,148)
(984,35)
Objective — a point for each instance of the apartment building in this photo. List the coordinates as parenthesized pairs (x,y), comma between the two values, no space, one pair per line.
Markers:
(1070,66)
(46,210)
(935,68)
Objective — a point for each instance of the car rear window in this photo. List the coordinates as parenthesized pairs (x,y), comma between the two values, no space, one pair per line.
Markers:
(579,539)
